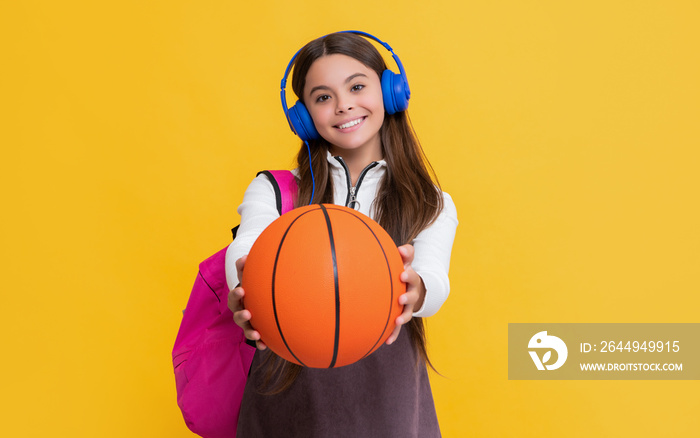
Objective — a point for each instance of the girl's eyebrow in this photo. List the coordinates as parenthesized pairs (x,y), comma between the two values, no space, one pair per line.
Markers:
(325,87)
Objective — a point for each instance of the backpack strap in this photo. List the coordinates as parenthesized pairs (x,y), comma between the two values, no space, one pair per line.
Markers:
(285,185)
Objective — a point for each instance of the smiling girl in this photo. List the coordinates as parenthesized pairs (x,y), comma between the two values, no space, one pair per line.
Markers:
(365,155)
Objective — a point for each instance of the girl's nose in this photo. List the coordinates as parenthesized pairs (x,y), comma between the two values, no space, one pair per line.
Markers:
(343,109)
(343,106)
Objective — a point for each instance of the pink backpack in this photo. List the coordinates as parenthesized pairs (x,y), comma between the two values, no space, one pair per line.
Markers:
(210,357)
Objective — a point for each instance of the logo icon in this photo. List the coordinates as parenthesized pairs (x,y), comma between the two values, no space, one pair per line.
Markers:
(542,341)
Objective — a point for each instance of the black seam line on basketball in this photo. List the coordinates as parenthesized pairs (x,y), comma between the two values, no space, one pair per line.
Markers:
(336,337)
(391,283)
(276,187)
(274,274)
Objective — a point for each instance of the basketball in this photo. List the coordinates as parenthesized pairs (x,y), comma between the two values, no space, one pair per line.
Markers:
(322,286)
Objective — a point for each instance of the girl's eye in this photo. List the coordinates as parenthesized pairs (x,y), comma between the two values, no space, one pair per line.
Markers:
(322,98)
(357,87)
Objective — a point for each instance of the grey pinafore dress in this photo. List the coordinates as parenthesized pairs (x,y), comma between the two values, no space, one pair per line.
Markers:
(384,395)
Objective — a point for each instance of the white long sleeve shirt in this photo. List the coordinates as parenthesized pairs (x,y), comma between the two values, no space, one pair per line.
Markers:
(433,245)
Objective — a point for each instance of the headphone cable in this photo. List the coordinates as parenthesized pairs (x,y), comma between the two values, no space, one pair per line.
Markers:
(311,169)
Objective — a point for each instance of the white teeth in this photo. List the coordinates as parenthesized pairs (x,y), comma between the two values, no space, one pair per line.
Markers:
(349,124)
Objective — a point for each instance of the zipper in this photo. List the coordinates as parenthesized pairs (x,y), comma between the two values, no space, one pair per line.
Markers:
(351,199)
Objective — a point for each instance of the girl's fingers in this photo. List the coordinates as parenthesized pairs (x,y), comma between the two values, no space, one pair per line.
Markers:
(240,263)
(242,318)
(407,300)
(405,316)
(415,288)
(411,278)
(395,334)
(234,299)
(407,253)
(407,313)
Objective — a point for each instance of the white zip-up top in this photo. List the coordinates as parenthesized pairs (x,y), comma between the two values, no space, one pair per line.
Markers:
(433,245)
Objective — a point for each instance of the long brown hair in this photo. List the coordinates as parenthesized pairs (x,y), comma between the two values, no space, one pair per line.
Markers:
(409,196)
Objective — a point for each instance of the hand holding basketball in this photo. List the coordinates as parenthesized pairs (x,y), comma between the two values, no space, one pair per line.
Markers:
(412,300)
(241,316)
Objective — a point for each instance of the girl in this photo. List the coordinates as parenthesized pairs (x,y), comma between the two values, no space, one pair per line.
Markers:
(364,155)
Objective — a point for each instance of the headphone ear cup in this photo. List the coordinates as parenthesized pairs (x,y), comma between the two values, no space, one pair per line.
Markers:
(394,92)
(302,123)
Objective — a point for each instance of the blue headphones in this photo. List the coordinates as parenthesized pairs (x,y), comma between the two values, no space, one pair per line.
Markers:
(395,93)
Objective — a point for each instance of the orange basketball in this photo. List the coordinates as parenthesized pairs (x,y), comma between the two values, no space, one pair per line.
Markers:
(322,286)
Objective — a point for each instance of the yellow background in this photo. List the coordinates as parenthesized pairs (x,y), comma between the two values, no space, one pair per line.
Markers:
(566,131)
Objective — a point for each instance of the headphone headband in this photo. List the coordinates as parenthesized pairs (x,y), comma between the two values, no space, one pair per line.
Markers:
(395,92)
